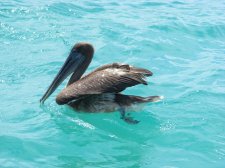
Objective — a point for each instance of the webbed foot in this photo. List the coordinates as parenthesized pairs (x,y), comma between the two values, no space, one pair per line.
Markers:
(127,119)
(130,120)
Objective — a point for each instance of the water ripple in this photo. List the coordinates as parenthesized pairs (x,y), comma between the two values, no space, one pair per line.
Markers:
(182,42)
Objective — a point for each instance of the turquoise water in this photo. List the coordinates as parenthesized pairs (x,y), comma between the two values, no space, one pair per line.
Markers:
(182,42)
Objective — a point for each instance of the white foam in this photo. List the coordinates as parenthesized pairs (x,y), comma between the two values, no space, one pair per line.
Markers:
(161,97)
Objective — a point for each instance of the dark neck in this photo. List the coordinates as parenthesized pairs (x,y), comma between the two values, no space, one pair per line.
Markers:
(78,74)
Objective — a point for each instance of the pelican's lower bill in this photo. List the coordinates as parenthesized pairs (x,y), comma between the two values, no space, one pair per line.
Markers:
(180,41)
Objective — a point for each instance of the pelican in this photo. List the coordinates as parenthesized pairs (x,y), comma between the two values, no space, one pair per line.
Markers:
(100,90)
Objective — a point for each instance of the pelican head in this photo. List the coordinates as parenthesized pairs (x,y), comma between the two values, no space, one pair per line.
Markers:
(77,62)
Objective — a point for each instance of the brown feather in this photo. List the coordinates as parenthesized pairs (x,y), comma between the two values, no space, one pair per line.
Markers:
(109,102)
(110,78)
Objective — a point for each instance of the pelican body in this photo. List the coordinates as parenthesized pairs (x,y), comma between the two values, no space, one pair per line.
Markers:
(100,90)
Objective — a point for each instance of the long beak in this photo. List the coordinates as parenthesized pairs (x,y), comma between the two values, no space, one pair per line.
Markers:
(71,65)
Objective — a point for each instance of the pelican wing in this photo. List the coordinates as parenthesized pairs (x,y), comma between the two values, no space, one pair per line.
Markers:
(110,78)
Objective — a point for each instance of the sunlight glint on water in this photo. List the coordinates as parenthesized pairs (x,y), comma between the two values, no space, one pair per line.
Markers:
(181,42)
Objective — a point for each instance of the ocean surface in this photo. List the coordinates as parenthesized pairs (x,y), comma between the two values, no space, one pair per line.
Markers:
(181,42)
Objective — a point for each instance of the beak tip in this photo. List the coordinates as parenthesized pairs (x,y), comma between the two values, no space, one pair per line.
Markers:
(41,101)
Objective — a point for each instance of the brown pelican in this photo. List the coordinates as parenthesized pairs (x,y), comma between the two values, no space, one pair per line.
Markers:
(98,91)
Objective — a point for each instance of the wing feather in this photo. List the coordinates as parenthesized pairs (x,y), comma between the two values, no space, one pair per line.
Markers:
(110,78)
